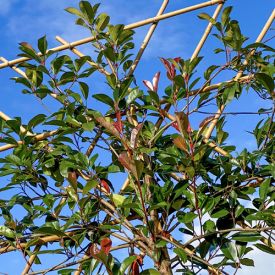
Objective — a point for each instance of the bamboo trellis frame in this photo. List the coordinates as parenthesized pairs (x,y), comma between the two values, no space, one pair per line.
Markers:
(154,22)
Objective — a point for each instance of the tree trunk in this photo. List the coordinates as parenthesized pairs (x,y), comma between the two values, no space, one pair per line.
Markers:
(165,263)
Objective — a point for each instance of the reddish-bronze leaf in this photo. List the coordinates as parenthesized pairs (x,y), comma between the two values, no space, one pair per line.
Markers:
(105,185)
(93,249)
(134,135)
(106,244)
(135,268)
(125,160)
(183,122)
(180,143)
(72,178)
(206,121)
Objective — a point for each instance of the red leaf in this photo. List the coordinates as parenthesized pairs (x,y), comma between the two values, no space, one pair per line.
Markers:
(135,268)
(175,125)
(106,245)
(165,234)
(177,59)
(124,159)
(118,124)
(105,185)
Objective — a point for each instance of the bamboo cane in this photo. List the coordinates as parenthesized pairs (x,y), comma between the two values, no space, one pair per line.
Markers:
(194,55)
(238,76)
(206,32)
(22,129)
(130,26)
(19,71)
(38,137)
(147,38)
(31,260)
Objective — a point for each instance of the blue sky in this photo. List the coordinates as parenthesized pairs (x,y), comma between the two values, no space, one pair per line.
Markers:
(30,19)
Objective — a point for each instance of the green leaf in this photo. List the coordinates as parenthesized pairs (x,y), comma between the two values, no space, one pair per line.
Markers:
(105,99)
(5,231)
(266,81)
(265,248)
(87,10)
(47,230)
(126,263)
(74,11)
(263,191)
(88,126)
(225,15)
(84,88)
(36,120)
(90,184)
(149,272)
(181,253)
(219,214)
(229,250)
(247,262)
(43,45)
(118,200)
(102,21)
(246,237)
(207,17)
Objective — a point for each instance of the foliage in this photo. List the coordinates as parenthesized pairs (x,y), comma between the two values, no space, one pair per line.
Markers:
(190,200)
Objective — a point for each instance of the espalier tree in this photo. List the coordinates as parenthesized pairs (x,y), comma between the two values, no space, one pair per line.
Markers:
(128,181)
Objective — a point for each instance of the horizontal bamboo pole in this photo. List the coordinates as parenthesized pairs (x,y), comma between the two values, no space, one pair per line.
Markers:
(22,129)
(38,137)
(19,71)
(130,26)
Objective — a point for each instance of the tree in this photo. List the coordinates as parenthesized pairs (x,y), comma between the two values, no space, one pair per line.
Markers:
(128,180)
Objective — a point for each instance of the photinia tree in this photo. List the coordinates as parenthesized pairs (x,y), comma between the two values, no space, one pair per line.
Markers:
(139,179)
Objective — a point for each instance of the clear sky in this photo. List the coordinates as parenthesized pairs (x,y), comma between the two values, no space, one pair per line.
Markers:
(28,20)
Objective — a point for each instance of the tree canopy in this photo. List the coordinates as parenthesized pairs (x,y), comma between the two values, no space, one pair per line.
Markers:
(139,179)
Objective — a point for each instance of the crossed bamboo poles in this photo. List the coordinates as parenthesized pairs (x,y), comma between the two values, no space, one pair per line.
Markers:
(160,16)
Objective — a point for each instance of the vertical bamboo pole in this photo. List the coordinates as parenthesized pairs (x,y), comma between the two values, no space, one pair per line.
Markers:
(147,38)
(206,32)
(239,75)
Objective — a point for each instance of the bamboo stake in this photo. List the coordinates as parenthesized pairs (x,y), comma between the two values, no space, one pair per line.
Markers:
(80,54)
(206,32)
(38,137)
(194,55)
(147,38)
(19,71)
(22,129)
(130,26)
(31,260)
(238,76)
